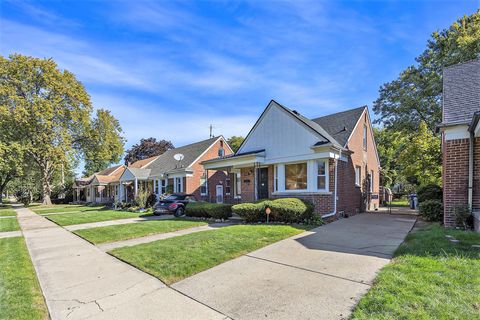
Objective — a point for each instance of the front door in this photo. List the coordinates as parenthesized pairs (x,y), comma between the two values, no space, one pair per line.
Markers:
(262,183)
(219,193)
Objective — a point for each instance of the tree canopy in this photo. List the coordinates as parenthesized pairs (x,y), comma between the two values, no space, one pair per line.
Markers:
(410,107)
(48,112)
(147,148)
(235,142)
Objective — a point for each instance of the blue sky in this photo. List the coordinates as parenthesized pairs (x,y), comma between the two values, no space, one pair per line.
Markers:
(168,69)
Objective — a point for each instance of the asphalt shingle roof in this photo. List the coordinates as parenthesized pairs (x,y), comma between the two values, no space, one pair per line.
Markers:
(461,92)
(340,125)
(165,163)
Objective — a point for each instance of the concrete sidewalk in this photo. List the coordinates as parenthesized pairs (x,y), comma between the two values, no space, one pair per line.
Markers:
(132,242)
(74,227)
(81,282)
(320,274)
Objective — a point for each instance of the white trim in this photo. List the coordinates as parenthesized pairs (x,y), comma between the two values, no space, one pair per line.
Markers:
(355,127)
(119,167)
(456,132)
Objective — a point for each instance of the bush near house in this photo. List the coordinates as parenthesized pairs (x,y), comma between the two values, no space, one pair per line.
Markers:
(291,210)
(431,210)
(429,192)
(208,210)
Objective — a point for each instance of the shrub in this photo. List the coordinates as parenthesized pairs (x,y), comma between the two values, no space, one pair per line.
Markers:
(431,210)
(141,199)
(462,216)
(291,210)
(429,192)
(208,210)
(251,212)
(151,200)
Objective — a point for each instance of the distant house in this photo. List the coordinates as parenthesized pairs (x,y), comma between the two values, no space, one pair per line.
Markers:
(159,175)
(331,161)
(461,139)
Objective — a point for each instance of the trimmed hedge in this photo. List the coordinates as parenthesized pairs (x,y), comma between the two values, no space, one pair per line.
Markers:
(208,210)
(431,210)
(291,210)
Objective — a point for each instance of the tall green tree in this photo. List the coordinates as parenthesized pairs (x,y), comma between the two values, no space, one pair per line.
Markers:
(105,143)
(11,164)
(47,111)
(234,142)
(416,95)
(389,146)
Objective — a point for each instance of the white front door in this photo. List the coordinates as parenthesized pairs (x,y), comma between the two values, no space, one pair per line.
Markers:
(219,193)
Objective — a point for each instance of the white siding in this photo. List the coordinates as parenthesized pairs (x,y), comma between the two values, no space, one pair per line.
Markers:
(281,135)
(127,176)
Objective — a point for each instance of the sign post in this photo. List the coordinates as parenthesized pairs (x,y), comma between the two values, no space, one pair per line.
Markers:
(267,211)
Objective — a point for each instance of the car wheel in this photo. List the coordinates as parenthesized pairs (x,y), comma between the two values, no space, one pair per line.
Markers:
(156,213)
(180,212)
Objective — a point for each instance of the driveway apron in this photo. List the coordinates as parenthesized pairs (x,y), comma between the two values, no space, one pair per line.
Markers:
(79,281)
(320,274)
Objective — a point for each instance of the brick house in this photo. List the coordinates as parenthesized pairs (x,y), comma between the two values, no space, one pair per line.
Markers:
(331,161)
(159,175)
(460,129)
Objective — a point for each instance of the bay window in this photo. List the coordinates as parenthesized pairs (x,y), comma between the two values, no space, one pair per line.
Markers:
(296,176)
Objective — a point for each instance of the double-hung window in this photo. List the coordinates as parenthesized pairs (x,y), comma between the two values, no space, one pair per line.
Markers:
(371,181)
(321,175)
(296,176)
(358,175)
(365,137)
(178,184)
(164,186)
(203,185)
(227,185)
(275,183)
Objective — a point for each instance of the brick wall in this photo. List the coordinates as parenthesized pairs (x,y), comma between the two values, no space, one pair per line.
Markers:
(455,177)
(366,160)
(214,177)
(348,194)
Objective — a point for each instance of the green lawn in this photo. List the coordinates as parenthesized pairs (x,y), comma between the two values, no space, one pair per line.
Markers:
(400,203)
(6,210)
(64,208)
(20,295)
(429,278)
(176,258)
(9,224)
(135,230)
(91,216)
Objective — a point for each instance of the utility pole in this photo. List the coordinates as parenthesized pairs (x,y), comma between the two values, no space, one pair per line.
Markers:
(211,131)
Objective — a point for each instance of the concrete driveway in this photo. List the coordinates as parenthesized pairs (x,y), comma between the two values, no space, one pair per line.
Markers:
(320,274)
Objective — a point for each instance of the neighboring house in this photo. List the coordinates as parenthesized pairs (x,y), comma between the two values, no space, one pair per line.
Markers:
(101,187)
(331,161)
(460,129)
(160,174)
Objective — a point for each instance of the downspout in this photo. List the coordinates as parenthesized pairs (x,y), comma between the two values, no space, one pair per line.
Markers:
(334,212)
(471,150)
(470,170)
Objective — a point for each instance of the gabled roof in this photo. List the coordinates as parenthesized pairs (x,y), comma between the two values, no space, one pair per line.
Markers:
(340,125)
(108,171)
(461,92)
(143,163)
(139,172)
(165,163)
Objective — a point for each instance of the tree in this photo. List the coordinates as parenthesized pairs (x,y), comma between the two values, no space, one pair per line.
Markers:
(11,164)
(47,111)
(416,95)
(420,157)
(389,144)
(105,143)
(147,148)
(235,142)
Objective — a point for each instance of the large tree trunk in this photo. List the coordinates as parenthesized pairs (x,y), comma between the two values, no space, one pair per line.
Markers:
(46,187)
(3,185)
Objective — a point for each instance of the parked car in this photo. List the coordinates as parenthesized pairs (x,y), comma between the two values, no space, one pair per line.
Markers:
(174,204)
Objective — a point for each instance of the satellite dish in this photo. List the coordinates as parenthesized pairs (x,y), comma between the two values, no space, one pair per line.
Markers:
(178,157)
